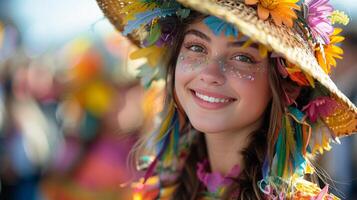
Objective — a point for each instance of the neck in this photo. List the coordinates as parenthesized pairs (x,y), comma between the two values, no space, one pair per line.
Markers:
(224,149)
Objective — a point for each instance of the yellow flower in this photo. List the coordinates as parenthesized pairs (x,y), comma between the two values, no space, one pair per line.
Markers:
(339,17)
(328,53)
(281,11)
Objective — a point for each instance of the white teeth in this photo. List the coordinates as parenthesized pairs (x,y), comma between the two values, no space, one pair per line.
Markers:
(211,99)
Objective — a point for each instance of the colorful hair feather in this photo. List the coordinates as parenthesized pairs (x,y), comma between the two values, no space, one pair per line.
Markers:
(147,17)
(131,10)
(166,141)
(291,148)
(217,26)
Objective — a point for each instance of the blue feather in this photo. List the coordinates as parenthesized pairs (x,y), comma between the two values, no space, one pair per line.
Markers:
(265,168)
(280,151)
(161,144)
(146,17)
(299,162)
(217,26)
(296,112)
(176,135)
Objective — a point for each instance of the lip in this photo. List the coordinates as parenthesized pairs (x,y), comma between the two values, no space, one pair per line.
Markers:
(209,105)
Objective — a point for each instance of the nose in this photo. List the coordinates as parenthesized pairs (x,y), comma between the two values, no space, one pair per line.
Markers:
(212,74)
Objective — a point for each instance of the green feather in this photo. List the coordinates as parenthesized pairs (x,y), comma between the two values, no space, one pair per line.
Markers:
(281,150)
(154,34)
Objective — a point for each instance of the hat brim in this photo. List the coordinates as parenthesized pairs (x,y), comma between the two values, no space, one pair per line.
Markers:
(281,39)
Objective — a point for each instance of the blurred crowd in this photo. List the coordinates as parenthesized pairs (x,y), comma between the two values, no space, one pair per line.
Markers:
(69,117)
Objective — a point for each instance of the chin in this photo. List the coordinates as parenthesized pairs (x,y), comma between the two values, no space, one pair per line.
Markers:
(207,127)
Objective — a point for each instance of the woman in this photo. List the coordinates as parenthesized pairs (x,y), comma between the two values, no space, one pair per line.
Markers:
(248,98)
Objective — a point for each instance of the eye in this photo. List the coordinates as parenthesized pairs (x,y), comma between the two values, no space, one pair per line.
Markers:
(195,48)
(244,58)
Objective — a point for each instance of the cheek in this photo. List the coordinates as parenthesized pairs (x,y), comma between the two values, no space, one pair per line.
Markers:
(182,79)
(254,95)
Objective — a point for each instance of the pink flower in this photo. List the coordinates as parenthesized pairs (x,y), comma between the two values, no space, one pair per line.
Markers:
(320,107)
(317,18)
(213,181)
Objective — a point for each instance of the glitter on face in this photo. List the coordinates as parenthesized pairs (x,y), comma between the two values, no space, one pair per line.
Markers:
(190,63)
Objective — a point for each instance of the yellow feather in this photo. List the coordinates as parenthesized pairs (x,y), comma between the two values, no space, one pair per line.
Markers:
(152,53)
(263,50)
(166,123)
(133,9)
(247,43)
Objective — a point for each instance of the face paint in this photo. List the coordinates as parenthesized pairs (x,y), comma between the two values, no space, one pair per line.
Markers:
(240,67)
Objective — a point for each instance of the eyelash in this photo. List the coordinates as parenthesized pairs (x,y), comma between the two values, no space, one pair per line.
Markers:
(250,59)
(190,45)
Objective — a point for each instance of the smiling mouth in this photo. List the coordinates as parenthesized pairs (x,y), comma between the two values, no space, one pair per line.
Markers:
(211,99)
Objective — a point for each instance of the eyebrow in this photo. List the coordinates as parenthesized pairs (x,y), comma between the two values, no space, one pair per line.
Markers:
(241,43)
(208,39)
(198,34)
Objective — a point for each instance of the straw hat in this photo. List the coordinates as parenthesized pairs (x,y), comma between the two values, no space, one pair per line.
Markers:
(289,42)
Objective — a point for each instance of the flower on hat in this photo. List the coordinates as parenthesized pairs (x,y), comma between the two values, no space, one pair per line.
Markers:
(281,11)
(299,76)
(339,17)
(326,54)
(320,107)
(318,12)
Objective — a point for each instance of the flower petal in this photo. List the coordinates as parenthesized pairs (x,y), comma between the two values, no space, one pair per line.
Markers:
(263,13)
(251,2)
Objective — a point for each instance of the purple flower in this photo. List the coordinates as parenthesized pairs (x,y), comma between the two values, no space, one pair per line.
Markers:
(213,181)
(317,18)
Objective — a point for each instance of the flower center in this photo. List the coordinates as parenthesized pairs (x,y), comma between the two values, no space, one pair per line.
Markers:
(269,4)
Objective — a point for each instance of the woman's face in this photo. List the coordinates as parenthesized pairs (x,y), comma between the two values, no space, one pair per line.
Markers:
(221,86)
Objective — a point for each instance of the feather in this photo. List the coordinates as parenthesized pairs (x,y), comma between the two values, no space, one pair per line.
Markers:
(152,53)
(265,168)
(176,137)
(217,26)
(164,141)
(280,150)
(152,166)
(154,34)
(166,123)
(131,10)
(146,17)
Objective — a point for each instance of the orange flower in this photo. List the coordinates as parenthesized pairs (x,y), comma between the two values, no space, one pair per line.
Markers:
(282,11)
(297,75)
(327,55)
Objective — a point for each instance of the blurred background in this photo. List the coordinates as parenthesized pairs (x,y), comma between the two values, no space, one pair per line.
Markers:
(71,107)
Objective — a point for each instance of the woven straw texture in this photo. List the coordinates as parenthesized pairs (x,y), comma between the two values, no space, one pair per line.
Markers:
(282,40)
